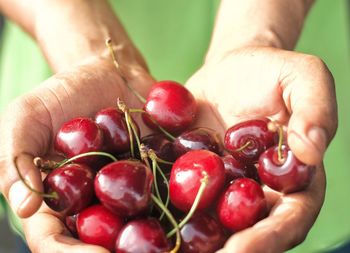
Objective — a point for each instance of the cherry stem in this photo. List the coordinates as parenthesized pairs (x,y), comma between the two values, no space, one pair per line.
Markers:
(163,161)
(45,166)
(280,142)
(109,44)
(121,106)
(173,222)
(93,153)
(243,147)
(204,183)
(170,136)
(152,155)
(53,195)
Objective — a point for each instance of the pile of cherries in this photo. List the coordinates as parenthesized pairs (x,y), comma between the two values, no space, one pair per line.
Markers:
(176,190)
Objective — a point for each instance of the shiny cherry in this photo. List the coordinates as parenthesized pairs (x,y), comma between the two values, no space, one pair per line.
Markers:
(77,136)
(74,186)
(162,147)
(287,175)
(242,204)
(98,226)
(124,187)
(202,234)
(248,139)
(171,105)
(186,175)
(116,136)
(235,169)
(71,224)
(196,139)
(142,236)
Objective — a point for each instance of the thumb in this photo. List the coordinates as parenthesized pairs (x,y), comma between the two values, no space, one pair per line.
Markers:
(313,107)
(14,186)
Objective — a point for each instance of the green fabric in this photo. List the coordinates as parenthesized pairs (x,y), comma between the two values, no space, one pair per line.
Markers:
(173,36)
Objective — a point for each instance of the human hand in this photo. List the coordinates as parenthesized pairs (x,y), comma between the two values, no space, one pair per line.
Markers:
(293,89)
(28,127)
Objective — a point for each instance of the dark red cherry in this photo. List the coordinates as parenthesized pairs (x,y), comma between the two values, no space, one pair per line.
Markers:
(248,139)
(162,147)
(77,136)
(124,187)
(235,169)
(74,185)
(197,139)
(142,236)
(98,226)
(171,105)
(286,175)
(202,234)
(186,175)
(116,135)
(71,224)
(242,204)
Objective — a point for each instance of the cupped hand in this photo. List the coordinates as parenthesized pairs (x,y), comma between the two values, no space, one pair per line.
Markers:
(293,89)
(28,127)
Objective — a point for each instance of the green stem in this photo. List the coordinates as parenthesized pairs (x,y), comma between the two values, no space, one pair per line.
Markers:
(243,147)
(173,222)
(170,136)
(94,153)
(280,142)
(109,44)
(167,185)
(53,195)
(204,183)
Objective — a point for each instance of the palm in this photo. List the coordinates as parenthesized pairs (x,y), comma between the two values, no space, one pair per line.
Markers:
(247,85)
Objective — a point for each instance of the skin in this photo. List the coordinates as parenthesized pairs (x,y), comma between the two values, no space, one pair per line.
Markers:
(255,77)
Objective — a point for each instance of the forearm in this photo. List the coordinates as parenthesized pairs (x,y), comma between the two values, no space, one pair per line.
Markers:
(275,23)
(70,31)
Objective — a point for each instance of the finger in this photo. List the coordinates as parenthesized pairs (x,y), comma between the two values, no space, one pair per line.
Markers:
(312,103)
(23,201)
(46,233)
(287,225)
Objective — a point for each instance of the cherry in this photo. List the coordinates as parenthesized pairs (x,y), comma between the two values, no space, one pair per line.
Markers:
(235,169)
(124,187)
(196,139)
(161,146)
(99,226)
(142,236)
(116,135)
(202,234)
(74,186)
(285,175)
(71,224)
(186,176)
(77,136)
(171,105)
(247,140)
(242,204)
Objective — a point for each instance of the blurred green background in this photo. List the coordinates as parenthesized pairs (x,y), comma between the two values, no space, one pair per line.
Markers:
(174,42)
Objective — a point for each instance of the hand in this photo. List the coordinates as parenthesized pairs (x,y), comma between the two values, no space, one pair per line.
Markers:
(28,127)
(294,89)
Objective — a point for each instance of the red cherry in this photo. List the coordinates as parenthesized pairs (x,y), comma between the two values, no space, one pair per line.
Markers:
(202,234)
(142,236)
(186,175)
(248,139)
(99,226)
(235,169)
(74,186)
(286,175)
(77,136)
(124,187)
(115,131)
(196,139)
(161,146)
(242,204)
(171,105)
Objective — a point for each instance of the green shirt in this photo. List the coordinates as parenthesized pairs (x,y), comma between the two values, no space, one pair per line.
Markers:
(173,36)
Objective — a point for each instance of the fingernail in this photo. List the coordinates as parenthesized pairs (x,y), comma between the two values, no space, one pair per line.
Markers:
(18,195)
(318,137)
